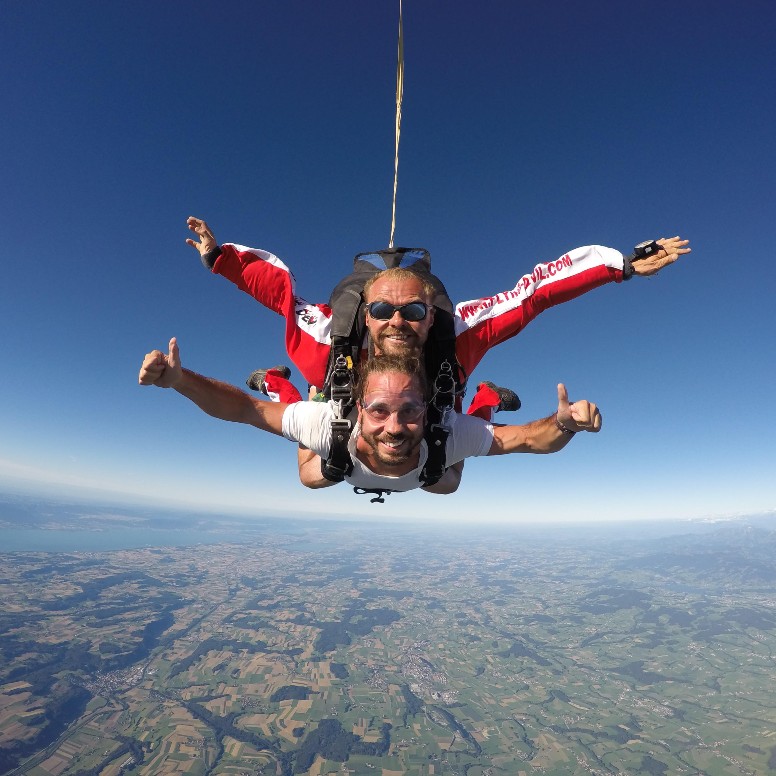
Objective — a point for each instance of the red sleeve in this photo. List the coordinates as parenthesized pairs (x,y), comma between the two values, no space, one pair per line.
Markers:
(483,323)
(268,280)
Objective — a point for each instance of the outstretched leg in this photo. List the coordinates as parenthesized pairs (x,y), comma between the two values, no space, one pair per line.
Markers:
(490,399)
(275,384)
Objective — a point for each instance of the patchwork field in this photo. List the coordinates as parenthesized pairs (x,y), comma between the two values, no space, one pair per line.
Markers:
(385,652)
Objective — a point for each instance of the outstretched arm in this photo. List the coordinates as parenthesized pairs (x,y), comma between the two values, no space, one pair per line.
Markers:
(269,281)
(221,400)
(483,323)
(550,434)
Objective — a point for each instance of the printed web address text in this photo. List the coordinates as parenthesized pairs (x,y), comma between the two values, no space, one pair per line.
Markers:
(541,272)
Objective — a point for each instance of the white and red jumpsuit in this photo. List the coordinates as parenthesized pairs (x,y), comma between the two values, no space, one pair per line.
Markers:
(480,324)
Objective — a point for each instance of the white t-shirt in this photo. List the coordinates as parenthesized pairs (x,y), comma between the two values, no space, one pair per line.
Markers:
(308,422)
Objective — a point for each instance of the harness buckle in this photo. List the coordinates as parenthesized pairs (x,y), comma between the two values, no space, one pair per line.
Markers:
(341,426)
(377,492)
(342,379)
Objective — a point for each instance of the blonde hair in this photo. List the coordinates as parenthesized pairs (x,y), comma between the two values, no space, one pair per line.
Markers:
(400,274)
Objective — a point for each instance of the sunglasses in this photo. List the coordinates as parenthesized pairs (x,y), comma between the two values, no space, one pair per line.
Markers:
(383,311)
(379,411)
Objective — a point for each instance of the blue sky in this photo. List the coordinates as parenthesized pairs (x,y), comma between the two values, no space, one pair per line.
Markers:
(528,129)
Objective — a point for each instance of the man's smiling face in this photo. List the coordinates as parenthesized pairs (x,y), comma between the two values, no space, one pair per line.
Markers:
(397,336)
(391,415)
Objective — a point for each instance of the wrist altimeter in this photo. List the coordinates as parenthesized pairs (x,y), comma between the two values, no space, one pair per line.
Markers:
(641,251)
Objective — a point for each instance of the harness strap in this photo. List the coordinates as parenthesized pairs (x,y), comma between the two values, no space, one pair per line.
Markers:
(437,426)
(344,316)
(338,464)
(436,440)
(342,382)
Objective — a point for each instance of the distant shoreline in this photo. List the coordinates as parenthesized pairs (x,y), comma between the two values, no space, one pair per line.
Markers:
(29,524)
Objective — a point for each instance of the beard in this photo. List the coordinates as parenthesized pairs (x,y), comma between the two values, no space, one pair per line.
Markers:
(409,345)
(406,445)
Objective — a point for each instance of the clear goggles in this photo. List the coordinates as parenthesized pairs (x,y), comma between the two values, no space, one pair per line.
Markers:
(380,410)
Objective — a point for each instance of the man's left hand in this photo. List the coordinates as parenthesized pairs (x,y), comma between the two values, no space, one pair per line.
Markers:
(579,415)
(207,241)
(671,249)
(160,369)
